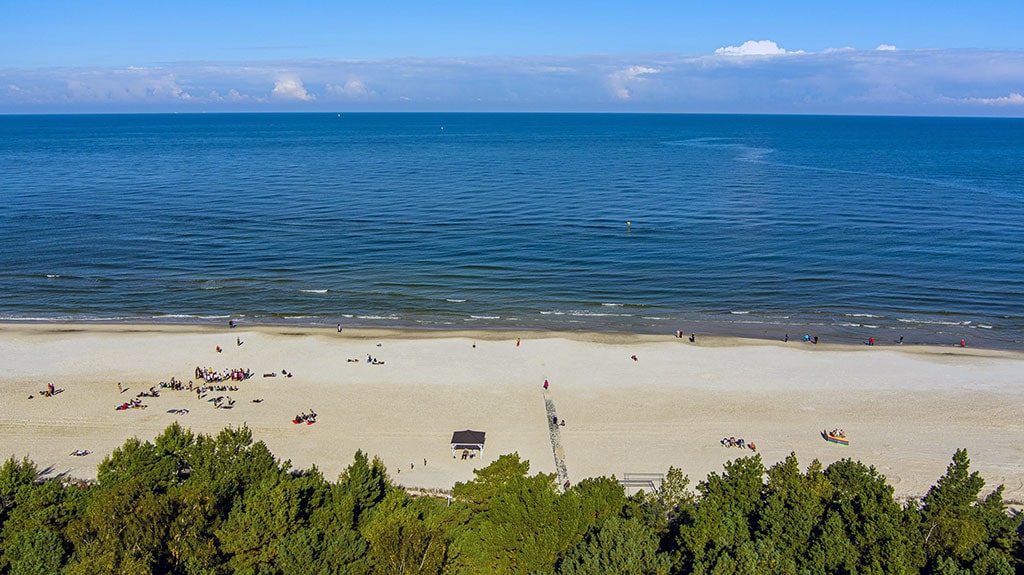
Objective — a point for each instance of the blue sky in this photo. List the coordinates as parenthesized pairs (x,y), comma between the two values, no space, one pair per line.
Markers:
(867,57)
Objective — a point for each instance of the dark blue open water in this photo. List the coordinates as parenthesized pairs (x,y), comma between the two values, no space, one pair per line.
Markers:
(842,227)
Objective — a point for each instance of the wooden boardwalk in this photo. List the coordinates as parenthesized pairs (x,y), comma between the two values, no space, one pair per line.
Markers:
(555,432)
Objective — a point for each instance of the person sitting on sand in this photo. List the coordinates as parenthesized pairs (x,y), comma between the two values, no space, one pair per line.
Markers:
(693,338)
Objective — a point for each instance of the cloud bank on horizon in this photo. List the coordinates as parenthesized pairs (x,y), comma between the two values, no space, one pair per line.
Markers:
(756,76)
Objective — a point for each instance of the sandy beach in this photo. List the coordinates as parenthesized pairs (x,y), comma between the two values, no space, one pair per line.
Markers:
(904,408)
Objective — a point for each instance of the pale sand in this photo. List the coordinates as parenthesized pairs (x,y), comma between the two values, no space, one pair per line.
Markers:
(906,409)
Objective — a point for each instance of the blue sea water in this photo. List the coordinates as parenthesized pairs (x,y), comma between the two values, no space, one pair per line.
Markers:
(842,227)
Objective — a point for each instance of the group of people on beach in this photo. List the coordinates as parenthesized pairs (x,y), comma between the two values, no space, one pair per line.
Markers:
(307,418)
(693,337)
(837,433)
(224,401)
(134,403)
(209,375)
(738,442)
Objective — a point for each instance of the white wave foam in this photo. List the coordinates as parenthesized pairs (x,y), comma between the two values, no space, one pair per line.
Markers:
(612,305)
(862,315)
(585,313)
(452,300)
(377,317)
(188,316)
(313,290)
(931,322)
(739,312)
(51,276)
(485,317)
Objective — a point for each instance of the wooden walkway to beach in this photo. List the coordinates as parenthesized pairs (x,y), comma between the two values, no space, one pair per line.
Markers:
(555,433)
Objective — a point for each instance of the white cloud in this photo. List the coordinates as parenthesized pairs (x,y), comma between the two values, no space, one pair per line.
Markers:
(842,80)
(886,48)
(1014,99)
(355,89)
(232,96)
(754,48)
(622,81)
(291,89)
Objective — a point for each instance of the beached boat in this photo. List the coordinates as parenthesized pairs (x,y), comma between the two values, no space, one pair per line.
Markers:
(840,439)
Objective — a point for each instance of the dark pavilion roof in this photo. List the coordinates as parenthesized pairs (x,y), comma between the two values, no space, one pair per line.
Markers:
(468,437)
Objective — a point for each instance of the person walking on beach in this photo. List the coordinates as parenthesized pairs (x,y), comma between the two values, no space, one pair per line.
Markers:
(545,385)
(517,342)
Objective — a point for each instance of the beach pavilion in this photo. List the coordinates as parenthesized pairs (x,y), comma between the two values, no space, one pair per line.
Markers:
(468,439)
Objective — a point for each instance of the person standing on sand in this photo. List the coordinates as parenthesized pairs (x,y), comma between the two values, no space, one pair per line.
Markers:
(517,342)
(545,385)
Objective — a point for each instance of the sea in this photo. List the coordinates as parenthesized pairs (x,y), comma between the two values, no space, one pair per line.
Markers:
(845,228)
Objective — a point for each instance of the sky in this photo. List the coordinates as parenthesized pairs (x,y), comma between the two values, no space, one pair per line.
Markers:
(826,57)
